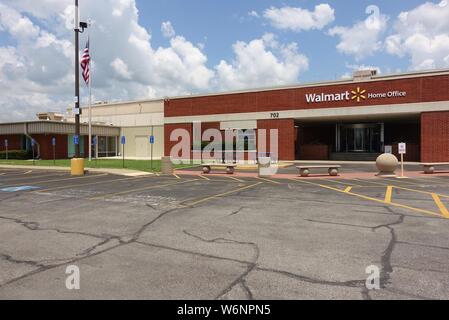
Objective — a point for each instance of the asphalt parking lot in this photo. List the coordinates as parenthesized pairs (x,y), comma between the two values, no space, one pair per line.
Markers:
(221,237)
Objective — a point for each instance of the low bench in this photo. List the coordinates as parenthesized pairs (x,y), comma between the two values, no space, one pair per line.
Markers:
(429,168)
(230,168)
(304,171)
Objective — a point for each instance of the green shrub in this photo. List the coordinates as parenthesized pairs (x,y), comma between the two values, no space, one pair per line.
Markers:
(16,155)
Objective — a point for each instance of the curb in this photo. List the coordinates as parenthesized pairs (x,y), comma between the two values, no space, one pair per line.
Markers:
(119,172)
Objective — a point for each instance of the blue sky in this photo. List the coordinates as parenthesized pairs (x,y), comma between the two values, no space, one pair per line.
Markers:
(152,49)
(224,22)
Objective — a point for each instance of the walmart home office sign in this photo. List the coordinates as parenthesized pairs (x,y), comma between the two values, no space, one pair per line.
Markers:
(358,95)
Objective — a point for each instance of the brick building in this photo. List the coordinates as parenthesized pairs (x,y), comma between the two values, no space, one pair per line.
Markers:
(19,136)
(355,119)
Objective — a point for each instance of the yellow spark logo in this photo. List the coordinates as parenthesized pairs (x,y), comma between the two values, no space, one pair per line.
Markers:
(359,94)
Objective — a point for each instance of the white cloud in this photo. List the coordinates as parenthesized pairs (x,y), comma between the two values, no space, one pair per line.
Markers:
(121,68)
(363,38)
(126,65)
(167,29)
(37,67)
(253,14)
(298,19)
(422,34)
(121,6)
(261,62)
(42,9)
(15,24)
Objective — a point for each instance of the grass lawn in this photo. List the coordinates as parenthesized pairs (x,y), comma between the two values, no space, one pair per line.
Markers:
(140,165)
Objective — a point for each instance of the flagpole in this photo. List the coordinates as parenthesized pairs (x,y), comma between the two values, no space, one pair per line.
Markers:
(90,115)
(90,99)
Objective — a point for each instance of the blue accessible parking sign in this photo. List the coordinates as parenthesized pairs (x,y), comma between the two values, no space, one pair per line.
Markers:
(152,139)
(76,140)
(123,140)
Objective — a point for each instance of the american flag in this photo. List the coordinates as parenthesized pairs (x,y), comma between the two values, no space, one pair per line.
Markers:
(85,63)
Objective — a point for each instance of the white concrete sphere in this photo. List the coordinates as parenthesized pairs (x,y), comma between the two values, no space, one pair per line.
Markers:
(387,163)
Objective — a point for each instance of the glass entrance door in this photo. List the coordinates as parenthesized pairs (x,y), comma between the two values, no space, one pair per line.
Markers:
(361,138)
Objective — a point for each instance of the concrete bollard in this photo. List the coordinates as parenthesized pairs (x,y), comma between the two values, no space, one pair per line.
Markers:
(387,165)
(77,167)
(166,165)
(264,167)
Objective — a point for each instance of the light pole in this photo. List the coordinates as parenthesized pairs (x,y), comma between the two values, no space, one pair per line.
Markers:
(77,163)
(77,80)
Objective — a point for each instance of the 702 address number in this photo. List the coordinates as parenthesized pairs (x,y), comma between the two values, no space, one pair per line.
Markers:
(275,115)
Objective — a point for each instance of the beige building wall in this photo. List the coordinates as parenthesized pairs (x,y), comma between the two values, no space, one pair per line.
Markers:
(138,142)
(136,120)
(126,114)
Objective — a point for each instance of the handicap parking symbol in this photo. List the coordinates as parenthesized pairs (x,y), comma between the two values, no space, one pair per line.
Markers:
(18,189)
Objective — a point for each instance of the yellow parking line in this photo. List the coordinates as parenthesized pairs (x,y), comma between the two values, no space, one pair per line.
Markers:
(389,194)
(177,177)
(139,189)
(220,195)
(341,183)
(203,177)
(232,178)
(423,192)
(403,182)
(348,189)
(268,180)
(432,181)
(66,179)
(372,182)
(86,184)
(28,172)
(408,189)
(440,205)
(372,199)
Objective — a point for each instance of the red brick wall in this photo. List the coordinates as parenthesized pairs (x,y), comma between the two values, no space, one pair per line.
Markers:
(209,125)
(423,89)
(315,143)
(204,127)
(287,136)
(413,152)
(314,152)
(168,128)
(46,148)
(14,142)
(435,136)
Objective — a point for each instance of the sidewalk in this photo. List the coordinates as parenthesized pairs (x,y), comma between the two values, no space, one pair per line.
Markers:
(119,172)
(342,175)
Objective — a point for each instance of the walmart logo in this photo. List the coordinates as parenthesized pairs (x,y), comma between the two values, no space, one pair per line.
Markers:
(354,95)
(358,94)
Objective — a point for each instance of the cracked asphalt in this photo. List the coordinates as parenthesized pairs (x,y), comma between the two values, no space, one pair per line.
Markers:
(160,237)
